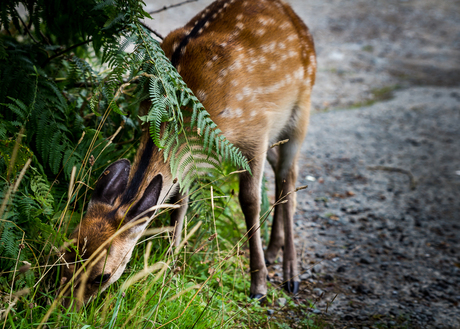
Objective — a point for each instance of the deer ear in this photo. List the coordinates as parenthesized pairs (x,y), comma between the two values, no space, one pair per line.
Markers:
(112,182)
(149,199)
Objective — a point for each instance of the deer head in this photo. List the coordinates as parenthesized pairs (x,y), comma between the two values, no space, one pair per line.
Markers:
(102,251)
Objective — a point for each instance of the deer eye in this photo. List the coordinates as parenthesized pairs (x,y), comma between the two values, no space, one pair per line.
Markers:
(103,278)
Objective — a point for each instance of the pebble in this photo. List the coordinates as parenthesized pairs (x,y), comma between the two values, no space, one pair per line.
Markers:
(281,301)
(365,261)
(341,269)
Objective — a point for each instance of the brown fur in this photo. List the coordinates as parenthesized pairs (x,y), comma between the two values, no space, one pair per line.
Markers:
(252,64)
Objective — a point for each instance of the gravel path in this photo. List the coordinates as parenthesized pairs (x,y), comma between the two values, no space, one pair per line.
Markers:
(379,225)
(378,228)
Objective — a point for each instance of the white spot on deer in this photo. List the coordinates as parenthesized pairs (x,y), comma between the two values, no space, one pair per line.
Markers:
(201,94)
(253,114)
(226,5)
(214,15)
(259,32)
(178,68)
(262,59)
(234,34)
(223,44)
(299,73)
(237,65)
(247,91)
(281,45)
(183,50)
(239,17)
(175,45)
(270,21)
(312,59)
(227,113)
(273,66)
(238,112)
(310,70)
(235,83)
(292,37)
(272,46)
(214,58)
(239,25)
(292,53)
(262,20)
(223,73)
(220,81)
(239,96)
(200,31)
(285,26)
(245,4)
(203,15)
(206,24)
(208,64)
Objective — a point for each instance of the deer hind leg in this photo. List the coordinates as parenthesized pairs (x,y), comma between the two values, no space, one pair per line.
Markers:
(286,175)
(249,197)
(177,215)
(277,232)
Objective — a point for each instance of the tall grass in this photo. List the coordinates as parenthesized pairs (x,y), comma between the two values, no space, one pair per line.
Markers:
(204,283)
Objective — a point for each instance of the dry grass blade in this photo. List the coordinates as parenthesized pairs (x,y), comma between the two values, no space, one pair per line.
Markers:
(142,274)
(84,279)
(189,235)
(284,141)
(72,182)
(197,286)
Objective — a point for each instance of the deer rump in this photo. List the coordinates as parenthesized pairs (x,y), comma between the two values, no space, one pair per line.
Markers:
(252,64)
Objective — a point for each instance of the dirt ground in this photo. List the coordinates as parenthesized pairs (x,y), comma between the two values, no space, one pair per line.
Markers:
(378,229)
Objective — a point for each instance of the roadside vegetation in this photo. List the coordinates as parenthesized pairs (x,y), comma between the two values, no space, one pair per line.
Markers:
(72,76)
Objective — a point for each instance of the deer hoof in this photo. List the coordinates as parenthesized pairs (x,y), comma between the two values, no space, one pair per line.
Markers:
(292,286)
(259,297)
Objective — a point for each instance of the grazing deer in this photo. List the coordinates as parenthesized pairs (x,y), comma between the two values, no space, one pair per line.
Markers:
(252,64)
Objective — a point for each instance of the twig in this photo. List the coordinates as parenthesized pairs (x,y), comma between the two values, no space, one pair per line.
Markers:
(152,30)
(66,50)
(284,141)
(413,182)
(171,6)
(26,28)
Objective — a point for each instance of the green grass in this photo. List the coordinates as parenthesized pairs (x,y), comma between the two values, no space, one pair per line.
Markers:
(378,95)
(204,285)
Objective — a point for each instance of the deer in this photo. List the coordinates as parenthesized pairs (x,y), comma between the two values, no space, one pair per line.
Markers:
(252,64)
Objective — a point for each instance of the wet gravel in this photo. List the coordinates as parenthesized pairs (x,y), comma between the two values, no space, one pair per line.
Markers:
(378,229)
(379,226)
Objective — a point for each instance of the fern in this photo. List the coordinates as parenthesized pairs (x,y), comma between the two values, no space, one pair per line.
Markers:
(169,94)
(72,75)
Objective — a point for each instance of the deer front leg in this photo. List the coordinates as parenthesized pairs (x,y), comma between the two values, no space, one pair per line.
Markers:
(249,197)
(277,231)
(177,215)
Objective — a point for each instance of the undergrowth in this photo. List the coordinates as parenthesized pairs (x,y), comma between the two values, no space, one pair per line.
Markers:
(70,93)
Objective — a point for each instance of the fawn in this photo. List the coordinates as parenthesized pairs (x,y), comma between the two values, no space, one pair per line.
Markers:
(252,64)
